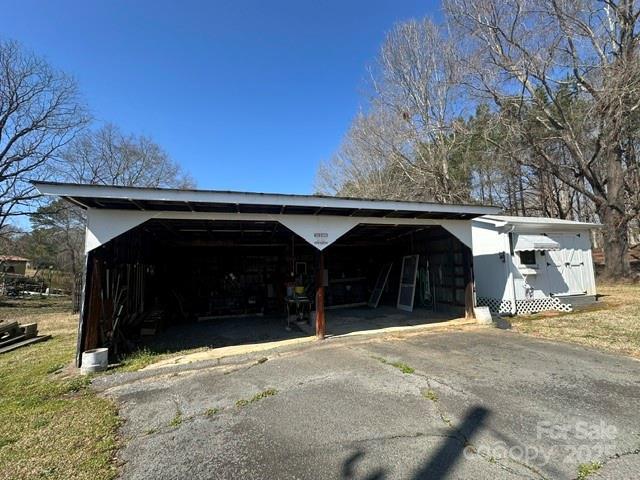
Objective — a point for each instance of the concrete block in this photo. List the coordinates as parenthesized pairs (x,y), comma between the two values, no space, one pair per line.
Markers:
(483,315)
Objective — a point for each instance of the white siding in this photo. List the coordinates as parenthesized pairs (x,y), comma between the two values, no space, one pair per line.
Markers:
(538,281)
(492,274)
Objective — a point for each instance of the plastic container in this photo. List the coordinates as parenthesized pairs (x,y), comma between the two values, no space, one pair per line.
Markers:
(95,360)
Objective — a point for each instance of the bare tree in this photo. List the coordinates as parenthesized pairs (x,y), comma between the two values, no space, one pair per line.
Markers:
(404,145)
(369,163)
(39,114)
(568,73)
(63,226)
(107,156)
(417,79)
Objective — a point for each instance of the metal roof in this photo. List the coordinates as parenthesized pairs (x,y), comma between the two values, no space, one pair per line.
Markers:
(163,199)
(501,220)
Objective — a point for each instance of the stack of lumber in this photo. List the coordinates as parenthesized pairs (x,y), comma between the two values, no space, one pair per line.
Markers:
(13,335)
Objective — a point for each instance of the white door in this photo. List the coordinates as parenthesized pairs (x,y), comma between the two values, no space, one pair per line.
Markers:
(576,270)
(407,288)
(565,267)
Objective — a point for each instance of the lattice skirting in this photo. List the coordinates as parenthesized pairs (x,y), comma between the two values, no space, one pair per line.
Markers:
(535,305)
(500,307)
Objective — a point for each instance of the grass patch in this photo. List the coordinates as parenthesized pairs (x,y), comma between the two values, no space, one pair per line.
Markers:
(403,367)
(139,359)
(7,441)
(430,395)
(51,426)
(210,412)
(587,469)
(26,308)
(176,421)
(77,384)
(257,397)
(55,368)
(612,324)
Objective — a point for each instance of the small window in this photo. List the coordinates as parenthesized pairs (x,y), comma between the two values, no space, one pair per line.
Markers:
(527,257)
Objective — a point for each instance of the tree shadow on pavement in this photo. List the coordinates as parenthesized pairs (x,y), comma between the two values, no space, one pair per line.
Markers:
(438,465)
(444,459)
(349,466)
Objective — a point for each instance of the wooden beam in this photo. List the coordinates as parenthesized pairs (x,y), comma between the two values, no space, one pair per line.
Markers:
(89,328)
(137,204)
(76,202)
(320,320)
(467,259)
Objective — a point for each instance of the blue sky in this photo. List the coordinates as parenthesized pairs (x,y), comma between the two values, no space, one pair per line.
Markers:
(246,95)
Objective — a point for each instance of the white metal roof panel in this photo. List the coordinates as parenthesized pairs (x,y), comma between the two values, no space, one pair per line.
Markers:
(500,220)
(158,199)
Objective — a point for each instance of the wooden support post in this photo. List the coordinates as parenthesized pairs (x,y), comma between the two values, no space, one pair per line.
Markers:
(469,303)
(320,325)
(85,288)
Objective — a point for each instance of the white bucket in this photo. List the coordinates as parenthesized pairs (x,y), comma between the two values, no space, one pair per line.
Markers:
(95,360)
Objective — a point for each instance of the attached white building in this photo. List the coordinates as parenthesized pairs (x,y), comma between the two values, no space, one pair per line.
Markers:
(532,264)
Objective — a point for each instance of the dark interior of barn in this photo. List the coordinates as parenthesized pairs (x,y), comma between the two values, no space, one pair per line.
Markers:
(186,283)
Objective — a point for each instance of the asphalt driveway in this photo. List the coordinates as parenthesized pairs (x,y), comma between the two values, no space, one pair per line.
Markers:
(476,404)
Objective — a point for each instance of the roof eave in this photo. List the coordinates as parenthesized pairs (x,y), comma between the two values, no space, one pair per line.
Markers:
(551,225)
(86,195)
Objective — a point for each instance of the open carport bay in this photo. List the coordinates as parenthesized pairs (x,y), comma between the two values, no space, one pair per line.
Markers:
(172,284)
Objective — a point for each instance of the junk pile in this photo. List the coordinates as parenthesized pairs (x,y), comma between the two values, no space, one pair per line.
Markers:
(13,335)
(120,311)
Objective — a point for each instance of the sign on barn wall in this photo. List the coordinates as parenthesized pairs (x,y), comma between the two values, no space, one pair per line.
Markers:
(319,231)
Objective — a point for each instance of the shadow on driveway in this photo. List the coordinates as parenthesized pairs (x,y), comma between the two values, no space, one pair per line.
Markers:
(438,465)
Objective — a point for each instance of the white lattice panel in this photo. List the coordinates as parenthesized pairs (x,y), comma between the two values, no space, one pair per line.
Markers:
(495,305)
(535,305)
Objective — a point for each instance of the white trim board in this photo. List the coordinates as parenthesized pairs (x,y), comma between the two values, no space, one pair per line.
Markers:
(106,224)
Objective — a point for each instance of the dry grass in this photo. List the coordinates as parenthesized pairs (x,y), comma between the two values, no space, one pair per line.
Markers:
(612,324)
(51,424)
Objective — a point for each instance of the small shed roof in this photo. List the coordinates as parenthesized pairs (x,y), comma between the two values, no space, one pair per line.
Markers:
(536,222)
(135,198)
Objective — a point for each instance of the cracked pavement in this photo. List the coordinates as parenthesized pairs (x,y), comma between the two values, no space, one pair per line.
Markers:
(483,403)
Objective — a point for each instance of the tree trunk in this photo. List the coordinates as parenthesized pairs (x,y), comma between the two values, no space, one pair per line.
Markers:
(615,243)
(612,215)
